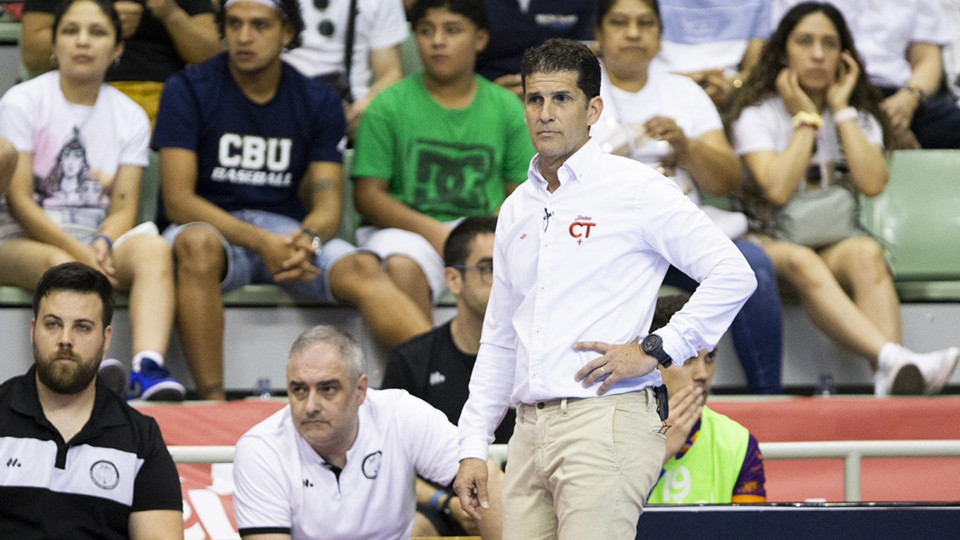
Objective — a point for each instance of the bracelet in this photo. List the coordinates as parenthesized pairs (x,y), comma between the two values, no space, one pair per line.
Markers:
(105,238)
(810,119)
(844,114)
(435,499)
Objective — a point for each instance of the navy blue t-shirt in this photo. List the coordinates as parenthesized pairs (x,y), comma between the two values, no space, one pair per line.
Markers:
(249,156)
(515,31)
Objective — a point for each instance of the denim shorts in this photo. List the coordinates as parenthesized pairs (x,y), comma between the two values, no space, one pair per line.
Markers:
(244,266)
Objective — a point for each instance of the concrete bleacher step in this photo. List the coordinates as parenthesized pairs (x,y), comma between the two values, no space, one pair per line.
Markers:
(262,322)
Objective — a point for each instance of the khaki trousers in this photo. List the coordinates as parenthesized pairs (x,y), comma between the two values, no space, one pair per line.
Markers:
(581,468)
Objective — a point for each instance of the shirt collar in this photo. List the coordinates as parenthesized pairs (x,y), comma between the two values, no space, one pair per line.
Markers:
(574,168)
(25,401)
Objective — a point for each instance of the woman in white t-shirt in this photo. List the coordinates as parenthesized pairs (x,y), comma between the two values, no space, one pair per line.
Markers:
(669,123)
(809,126)
(74,193)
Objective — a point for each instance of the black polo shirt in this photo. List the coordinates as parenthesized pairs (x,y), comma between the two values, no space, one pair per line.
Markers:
(86,487)
(431,367)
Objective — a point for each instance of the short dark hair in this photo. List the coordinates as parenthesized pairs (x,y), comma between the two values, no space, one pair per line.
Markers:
(106,6)
(666,306)
(560,54)
(76,277)
(457,246)
(474,10)
(289,12)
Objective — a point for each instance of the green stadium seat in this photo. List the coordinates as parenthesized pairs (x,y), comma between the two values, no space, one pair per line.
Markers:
(917,219)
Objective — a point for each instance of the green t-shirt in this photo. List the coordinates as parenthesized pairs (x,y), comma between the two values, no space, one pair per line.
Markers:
(445,163)
(708,472)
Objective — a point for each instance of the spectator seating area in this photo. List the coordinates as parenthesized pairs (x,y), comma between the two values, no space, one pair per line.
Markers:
(916,219)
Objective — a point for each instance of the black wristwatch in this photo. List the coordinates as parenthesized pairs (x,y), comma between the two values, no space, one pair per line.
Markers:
(652,345)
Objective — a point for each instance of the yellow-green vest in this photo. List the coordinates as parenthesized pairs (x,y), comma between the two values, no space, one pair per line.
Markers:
(708,472)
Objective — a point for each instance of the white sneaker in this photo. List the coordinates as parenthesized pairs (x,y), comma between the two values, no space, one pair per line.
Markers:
(937,367)
(887,373)
(913,373)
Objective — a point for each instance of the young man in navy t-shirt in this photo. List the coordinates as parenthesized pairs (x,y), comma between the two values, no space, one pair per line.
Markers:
(250,167)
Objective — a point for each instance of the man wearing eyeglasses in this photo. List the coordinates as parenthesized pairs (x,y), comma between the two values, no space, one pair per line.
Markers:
(436,366)
(379,28)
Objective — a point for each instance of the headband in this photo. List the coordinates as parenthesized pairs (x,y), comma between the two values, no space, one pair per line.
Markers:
(269,3)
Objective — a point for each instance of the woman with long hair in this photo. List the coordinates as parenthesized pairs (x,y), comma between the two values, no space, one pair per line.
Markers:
(811,133)
(668,122)
(73,197)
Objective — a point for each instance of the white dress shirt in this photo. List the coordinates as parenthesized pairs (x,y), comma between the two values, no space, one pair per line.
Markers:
(585,263)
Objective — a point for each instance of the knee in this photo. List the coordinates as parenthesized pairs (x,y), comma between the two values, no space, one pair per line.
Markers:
(198,252)
(152,253)
(866,257)
(804,268)
(404,269)
(359,268)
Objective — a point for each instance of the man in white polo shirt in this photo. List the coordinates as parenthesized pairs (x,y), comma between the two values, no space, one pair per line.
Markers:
(309,471)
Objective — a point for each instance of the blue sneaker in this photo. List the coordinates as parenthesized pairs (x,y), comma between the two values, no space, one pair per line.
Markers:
(153,383)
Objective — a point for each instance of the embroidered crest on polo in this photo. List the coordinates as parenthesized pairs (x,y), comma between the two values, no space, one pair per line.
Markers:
(371,464)
(104,474)
(580,228)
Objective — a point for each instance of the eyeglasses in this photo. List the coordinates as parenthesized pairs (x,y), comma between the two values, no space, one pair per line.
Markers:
(325,27)
(484,267)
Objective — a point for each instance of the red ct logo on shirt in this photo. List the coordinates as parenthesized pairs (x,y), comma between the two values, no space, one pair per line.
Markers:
(580,228)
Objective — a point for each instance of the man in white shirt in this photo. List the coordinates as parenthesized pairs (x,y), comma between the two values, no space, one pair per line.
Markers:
(340,461)
(581,249)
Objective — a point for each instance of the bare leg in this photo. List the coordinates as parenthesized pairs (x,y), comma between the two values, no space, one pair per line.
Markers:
(392,316)
(859,266)
(410,279)
(144,267)
(422,526)
(23,261)
(828,306)
(201,263)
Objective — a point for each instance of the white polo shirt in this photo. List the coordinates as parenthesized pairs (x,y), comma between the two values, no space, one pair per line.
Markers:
(283,486)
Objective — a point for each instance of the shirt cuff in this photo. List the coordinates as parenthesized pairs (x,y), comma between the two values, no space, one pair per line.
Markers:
(674,345)
(474,447)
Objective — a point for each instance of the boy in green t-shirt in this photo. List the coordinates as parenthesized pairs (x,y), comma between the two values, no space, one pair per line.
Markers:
(436,147)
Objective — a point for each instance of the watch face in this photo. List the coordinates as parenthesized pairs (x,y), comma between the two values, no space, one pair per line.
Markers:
(651,343)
